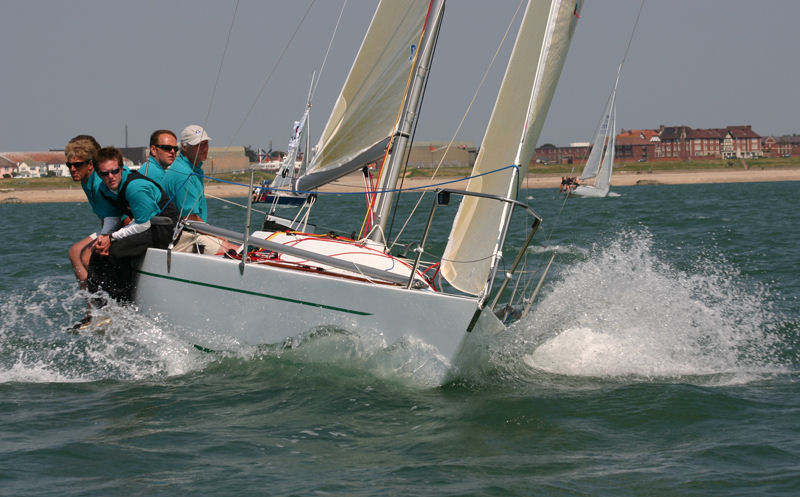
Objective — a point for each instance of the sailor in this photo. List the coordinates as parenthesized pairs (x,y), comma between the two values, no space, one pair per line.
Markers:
(163,151)
(80,152)
(152,219)
(183,183)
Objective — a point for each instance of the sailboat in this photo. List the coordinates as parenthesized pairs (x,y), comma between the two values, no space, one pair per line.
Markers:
(279,192)
(600,163)
(288,282)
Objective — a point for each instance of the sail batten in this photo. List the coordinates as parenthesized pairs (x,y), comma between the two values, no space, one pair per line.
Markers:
(366,113)
(533,70)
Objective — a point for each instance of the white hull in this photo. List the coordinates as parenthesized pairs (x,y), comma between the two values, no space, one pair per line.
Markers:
(589,191)
(267,304)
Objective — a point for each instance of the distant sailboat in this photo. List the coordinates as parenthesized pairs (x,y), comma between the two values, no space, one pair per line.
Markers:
(600,163)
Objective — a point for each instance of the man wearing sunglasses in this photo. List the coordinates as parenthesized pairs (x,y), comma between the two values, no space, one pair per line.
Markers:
(80,153)
(163,151)
(147,205)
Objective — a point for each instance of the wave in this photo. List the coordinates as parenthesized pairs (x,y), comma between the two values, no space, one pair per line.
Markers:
(625,313)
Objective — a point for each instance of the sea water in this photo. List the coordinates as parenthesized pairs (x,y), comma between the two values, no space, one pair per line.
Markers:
(660,358)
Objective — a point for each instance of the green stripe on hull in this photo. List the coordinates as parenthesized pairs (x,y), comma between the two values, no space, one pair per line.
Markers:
(256,294)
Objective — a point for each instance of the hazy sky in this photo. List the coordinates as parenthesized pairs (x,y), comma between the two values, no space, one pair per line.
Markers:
(93,66)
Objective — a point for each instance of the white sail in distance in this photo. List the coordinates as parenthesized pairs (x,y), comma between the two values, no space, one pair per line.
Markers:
(366,113)
(605,132)
(603,180)
(531,76)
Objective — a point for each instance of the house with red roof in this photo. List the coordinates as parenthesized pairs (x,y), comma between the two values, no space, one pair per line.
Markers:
(636,145)
(37,164)
(730,142)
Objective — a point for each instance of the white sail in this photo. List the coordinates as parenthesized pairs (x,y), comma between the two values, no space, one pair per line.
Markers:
(598,143)
(366,112)
(603,181)
(531,76)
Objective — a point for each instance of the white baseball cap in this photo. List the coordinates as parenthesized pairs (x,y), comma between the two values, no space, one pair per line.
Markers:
(193,135)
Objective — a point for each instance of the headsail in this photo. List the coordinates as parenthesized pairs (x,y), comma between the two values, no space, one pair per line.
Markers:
(603,180)
(533,70)
(604,137)
(366,112)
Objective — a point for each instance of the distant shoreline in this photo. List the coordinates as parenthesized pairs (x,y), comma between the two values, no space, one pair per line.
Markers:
(353,183)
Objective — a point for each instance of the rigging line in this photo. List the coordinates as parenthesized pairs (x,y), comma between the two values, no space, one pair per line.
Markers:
(271,73)
(330,44)
(233,203)
(221,61)
(413,188)
(630,39)
(464,117)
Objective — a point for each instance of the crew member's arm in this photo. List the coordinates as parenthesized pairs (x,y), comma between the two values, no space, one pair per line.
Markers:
(130,229)
(103,242)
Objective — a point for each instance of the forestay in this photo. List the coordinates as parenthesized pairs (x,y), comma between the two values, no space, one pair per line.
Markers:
(531,76)
(365,114)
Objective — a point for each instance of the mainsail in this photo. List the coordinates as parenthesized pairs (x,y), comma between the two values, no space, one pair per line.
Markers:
(533,70)
(366,112)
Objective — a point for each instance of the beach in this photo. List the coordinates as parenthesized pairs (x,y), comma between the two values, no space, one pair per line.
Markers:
(353,183)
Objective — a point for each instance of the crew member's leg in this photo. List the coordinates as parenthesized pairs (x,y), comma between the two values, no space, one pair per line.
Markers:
(79,255)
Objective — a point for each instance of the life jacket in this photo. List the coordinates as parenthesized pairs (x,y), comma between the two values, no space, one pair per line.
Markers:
(167,207)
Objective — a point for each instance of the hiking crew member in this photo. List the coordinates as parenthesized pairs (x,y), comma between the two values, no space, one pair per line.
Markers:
(141,199)
(80,152)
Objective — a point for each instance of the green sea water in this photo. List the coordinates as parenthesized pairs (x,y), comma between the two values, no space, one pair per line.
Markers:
(662,358)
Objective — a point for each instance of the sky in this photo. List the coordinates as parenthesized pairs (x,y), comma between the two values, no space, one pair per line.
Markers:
(103,66)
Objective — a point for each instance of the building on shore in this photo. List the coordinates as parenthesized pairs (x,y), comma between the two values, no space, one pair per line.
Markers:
(680,143)
(35,164)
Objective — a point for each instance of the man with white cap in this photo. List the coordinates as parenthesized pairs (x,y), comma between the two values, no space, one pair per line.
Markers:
(183,182)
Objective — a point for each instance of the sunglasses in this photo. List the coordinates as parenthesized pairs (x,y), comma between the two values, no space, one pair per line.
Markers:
(168,148)
(110,171)
(76,165)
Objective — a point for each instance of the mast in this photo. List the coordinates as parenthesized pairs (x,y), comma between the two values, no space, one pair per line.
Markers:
(394,162)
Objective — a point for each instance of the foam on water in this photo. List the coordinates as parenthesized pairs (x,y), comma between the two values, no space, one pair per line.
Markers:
(624,312)
(35,346)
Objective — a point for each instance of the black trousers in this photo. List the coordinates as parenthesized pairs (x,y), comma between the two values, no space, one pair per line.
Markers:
(114,273)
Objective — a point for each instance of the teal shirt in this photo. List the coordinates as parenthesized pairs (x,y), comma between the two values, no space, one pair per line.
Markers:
(183,182)
(153,170)
(142,197)
(100,205)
